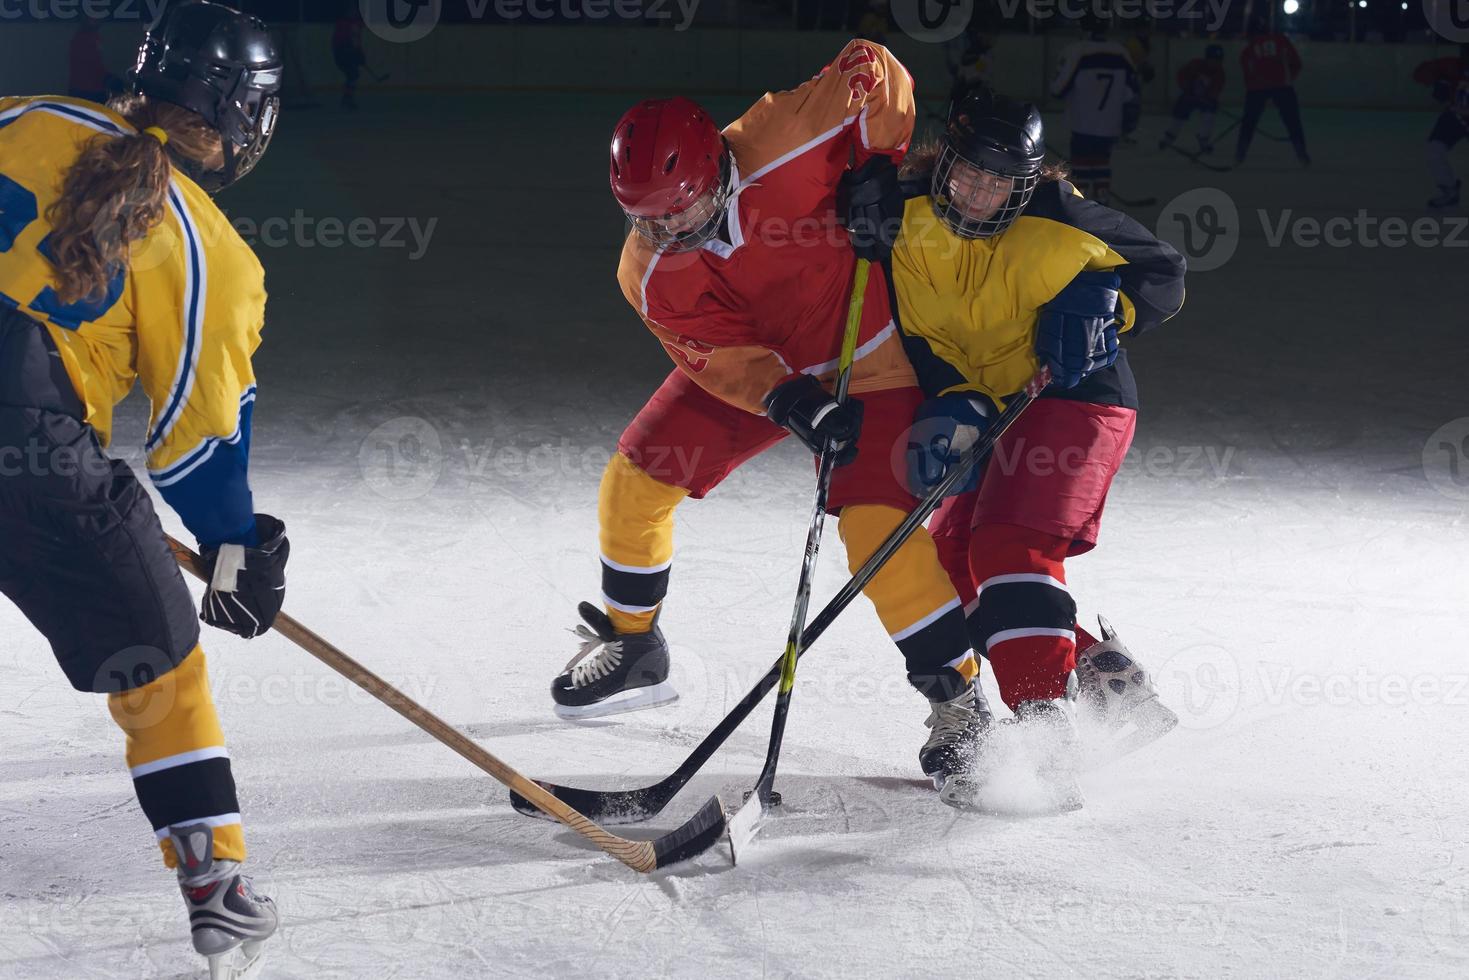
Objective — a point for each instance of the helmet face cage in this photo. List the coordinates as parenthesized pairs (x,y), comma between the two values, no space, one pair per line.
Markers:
(965,195)
(689,229)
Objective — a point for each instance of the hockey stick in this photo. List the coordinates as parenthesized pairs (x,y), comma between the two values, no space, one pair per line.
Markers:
(1259,129)
(1198,158)
(697,835)
(632,805)
(746,821)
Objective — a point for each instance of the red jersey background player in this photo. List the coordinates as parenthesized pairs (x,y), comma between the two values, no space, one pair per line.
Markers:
(347,52)
(1199,82)
(1271,65)
(738,265)
(1448,78)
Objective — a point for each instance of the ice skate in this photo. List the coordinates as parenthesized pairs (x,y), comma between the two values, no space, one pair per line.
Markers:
(1118,706)
(613,672)
(1447,196)
(230,922)
(949,756)
(1206,147)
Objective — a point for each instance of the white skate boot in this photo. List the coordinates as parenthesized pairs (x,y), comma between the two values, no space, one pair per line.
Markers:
(1118,707)
(229,921)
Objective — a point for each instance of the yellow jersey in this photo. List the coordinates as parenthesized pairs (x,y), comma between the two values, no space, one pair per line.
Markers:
(968,308)
(182,318)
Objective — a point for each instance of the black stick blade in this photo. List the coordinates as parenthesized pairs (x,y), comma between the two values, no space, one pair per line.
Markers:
(609,807)
(702,831)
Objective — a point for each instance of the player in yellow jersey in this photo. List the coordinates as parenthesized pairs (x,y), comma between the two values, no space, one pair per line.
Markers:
(116,268)
(1001,267)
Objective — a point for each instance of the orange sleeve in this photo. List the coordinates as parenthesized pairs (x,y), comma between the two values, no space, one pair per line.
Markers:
(865,91)
(738,373)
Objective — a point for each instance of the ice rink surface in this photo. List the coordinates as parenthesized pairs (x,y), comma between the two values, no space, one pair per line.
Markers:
(1287,550)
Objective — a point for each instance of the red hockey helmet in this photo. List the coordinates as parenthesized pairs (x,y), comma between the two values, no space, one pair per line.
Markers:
(670,172)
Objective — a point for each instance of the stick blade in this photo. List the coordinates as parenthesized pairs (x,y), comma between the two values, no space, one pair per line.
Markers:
(744,825)
(610,807)
(702,831)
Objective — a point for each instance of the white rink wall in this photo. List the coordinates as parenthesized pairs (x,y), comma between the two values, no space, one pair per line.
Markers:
(720,61)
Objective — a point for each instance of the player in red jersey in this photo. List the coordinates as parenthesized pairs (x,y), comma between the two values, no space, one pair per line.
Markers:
(1199,81)
(1448,79)
(737,264)
(1271,66)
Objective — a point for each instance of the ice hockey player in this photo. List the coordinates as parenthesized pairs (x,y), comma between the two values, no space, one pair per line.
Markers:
(1271,66)
(1199,82)
(1448,80)
(1002,267)
(738,265)
(1103,103)
(116,267)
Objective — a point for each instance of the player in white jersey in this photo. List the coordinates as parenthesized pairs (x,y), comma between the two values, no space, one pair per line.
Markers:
(1097,80)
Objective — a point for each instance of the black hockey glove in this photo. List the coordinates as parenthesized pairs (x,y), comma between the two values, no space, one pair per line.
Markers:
(871,203)
(247,585)
(1077,332)
(814,416)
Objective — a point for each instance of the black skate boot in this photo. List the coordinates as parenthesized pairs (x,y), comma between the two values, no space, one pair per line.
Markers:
(1447,196)
(229,921)
(1049,735)
(949,757)
(613,672)
(1116,692)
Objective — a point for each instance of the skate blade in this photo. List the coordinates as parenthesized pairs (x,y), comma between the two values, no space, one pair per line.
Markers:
(638,699)
(244,962)
(1152,720)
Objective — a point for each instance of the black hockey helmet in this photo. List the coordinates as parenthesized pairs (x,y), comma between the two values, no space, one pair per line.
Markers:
(223,65)
(989,164)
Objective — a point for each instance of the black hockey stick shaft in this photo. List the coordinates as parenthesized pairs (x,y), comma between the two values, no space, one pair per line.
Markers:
(647,801)
(824,470)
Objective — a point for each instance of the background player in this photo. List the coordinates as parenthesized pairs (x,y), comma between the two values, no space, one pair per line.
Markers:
(1448,80)
(1002,267)
(117,268)
(1199,82)
(1097,80)
(738,266)
(1271,66)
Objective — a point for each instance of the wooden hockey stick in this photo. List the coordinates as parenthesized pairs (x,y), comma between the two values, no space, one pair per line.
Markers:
(697,835)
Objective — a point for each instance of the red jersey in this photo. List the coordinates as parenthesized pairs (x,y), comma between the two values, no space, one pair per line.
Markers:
(768,298)
(1202,80)
(1449,80)
(1269,61)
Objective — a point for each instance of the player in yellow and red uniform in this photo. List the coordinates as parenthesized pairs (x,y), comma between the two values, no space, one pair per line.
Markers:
(1002,267)
(737,264)
(116,269)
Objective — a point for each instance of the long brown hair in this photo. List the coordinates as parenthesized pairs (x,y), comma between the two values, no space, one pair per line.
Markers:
(116,191)
(922,157)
